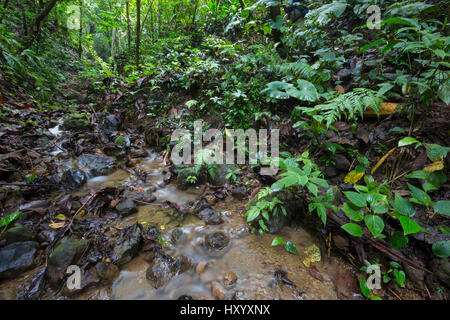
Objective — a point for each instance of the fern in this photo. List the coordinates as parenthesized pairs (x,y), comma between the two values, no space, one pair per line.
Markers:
(324,14)
(351,105)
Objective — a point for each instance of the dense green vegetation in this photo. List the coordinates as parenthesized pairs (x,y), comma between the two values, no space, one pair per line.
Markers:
(244,64)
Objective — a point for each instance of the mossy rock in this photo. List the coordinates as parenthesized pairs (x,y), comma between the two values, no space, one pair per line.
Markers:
(183,178)
(120,140)
(77,121)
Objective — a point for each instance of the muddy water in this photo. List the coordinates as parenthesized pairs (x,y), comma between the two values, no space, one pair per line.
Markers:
(249,256)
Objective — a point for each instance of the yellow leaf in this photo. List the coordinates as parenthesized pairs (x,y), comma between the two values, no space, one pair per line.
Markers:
(312,254)
(380,162)
(61,217)
(57,225)
(435,166)
(353,177)
(386,108)
(162,227)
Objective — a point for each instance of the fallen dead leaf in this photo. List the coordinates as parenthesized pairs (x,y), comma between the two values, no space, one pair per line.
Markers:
(57,225)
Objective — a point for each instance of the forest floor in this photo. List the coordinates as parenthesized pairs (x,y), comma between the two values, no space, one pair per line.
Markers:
(103,183)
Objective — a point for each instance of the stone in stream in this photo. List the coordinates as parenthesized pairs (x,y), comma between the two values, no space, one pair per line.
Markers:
(73,178)
(221,172)
(294,208)
(127,246)
(216,243)
(239,193)
(19,234)
(17,258)
(77,121)
(164,269)
(218,291)
(107,271)
(229,279)
(110,125)
(66,254)
(187,177)
(210,216)
(126,207)
(96,164)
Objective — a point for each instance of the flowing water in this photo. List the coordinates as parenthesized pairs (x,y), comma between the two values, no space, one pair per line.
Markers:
(249,256)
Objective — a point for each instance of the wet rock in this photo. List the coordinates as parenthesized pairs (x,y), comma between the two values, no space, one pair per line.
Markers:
(294,208)
(96,164)
(107,271)
(185,297)
(331,172)
(221,172)
(32,288)
(178,235)
(128,244)
(343,74)
(17,258)
(77,121)
(211,217)
(341,162)
(444,272)
(164,269)
(73,178)
(215,243)
(89,279)
(126,207)
(110,125)
(218,291)
(229,279)
(66,254)
(184,178)
(239,193)
(416,276)
(19,234)
(122,141)
(116,151)
(201,266)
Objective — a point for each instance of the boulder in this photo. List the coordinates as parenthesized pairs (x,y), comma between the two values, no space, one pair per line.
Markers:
(127,246)
(165,268)
(73,178)
(126,207)
(66,254)
(19,234)
(17,257)
(216,243)
(210,216)
(96,164)
(77,122)
(110,125)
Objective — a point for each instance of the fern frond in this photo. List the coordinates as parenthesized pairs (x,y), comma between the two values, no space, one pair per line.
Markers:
(351,105)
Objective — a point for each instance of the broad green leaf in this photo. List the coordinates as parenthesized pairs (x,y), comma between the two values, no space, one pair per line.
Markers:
(436,152)
(354,213)
(253,213)
(353,229)
(409,226)
(363,286)
(291,248)
(419,174)
(409,140)
(357,199)
(400,277)
(421,196)
(441,249)
(375,224)
(10,218)
(277,241)
(398,240)
(403,206)
(442,207)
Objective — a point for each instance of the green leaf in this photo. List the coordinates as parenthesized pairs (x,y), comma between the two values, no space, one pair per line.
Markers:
(441,249)
(436,152)
(357,199)
(398,240)
(322,213)
(277,241)
(421,196)
(253,213)
(407,141)
(419,174)
(442,207)
(400,277)
(10,218)
(444,92)
(262,225)
(355,214)
(306,91)
(409,226)
(364,289)
(353,229)
(291,248)
(375,224)
(312,188)
(403,206)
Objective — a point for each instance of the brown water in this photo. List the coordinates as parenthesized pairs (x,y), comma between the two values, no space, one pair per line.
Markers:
(251,257)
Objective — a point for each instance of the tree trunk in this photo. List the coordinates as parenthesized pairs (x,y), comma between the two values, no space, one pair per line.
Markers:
(80,48)
(138,30)
(37,22)
(128,25)
(274,13)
